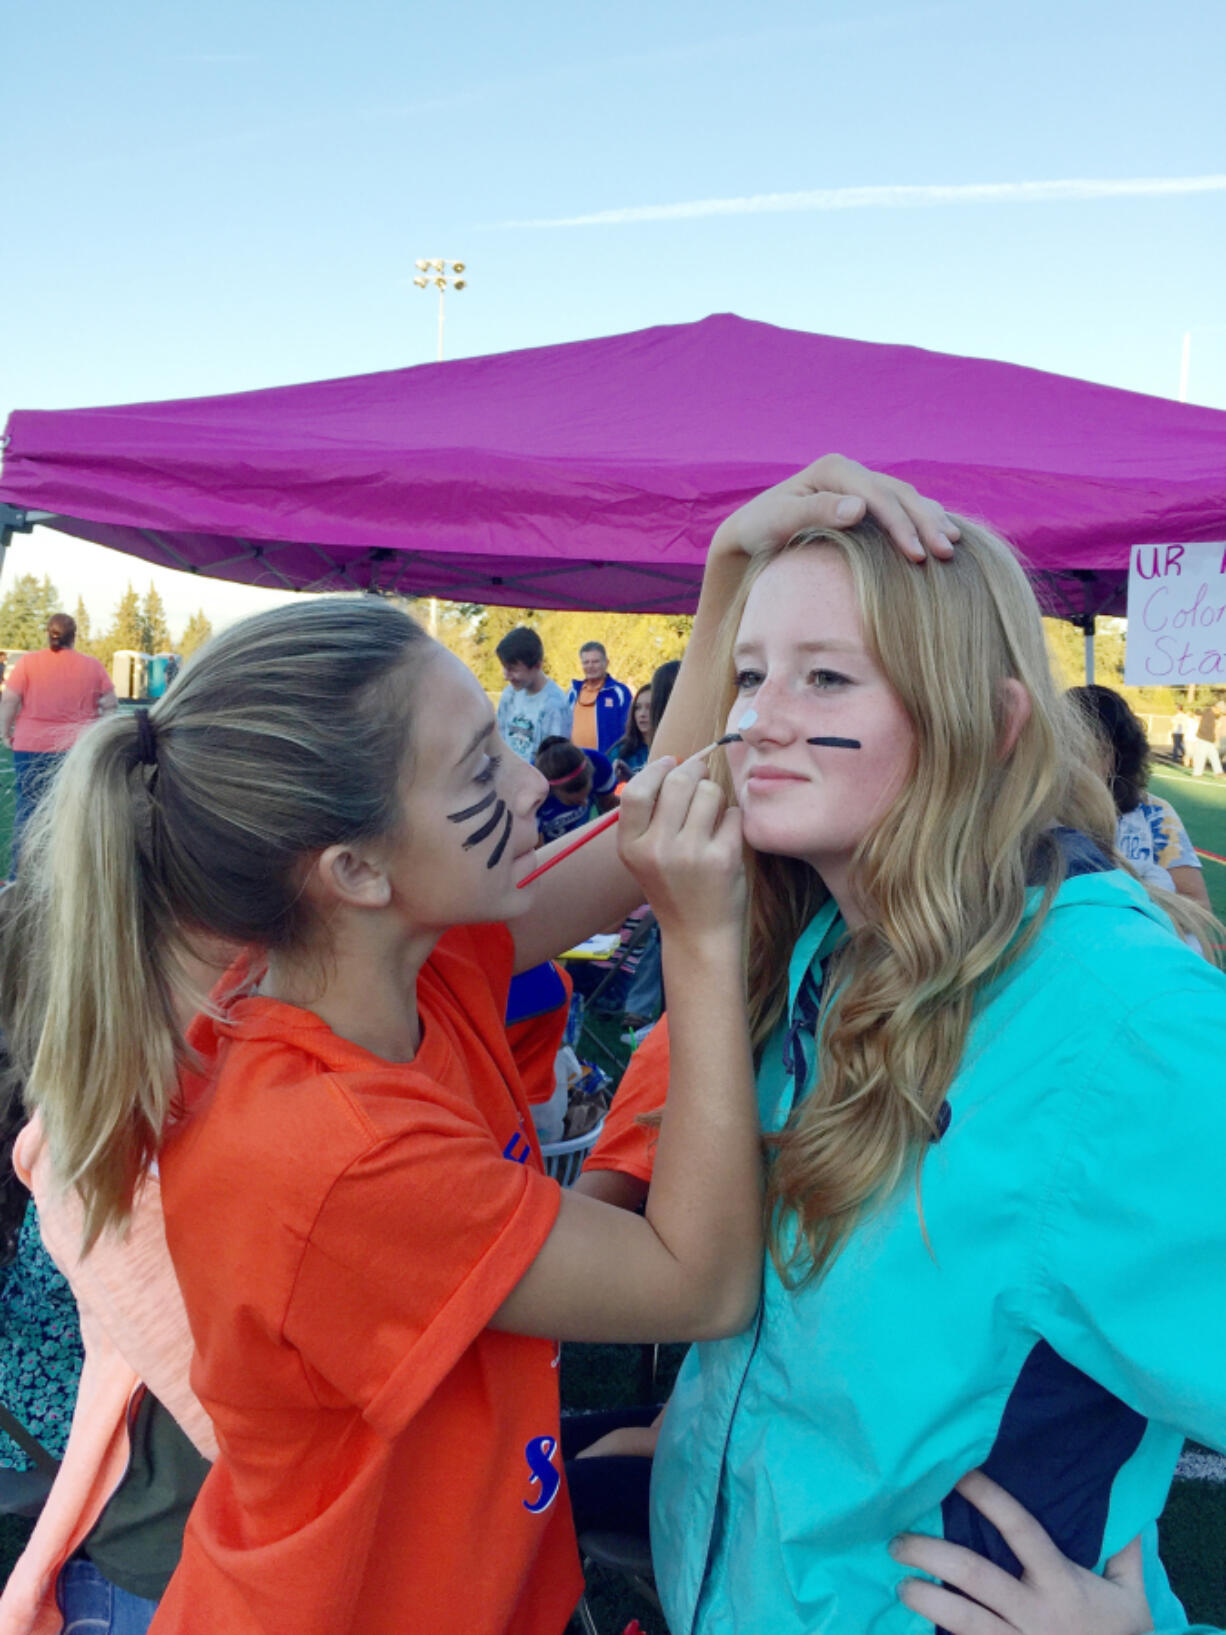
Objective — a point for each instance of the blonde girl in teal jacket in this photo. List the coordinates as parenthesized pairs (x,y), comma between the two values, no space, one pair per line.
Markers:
(997,1234)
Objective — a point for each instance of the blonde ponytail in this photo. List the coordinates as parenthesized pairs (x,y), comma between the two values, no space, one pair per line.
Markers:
(99,1013)
(186,825)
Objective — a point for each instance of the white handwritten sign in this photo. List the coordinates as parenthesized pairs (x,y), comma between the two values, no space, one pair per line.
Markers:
(1176,615)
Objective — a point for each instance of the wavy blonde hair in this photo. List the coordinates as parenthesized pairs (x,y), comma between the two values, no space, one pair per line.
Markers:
(286,734)
(948,869)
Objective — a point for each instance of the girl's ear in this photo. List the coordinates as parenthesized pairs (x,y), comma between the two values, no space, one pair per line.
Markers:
(345,875)
(1016,701)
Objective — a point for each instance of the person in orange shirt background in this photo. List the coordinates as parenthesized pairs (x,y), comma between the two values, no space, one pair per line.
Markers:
(618,1168)
(50,697)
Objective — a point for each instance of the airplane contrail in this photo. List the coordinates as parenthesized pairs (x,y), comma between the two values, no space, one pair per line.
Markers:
(894,198)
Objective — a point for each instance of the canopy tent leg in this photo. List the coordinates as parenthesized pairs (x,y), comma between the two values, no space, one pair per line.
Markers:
(13,520)
(1085,623)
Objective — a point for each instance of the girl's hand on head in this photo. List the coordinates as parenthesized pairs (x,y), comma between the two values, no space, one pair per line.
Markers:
(683,846)
(1053,1596)
(835,492)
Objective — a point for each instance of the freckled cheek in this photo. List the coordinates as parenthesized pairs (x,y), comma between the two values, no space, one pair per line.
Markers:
(736,767)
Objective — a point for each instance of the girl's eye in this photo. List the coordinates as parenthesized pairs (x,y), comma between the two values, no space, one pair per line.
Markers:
(486,774)
(747,680)
(829,678)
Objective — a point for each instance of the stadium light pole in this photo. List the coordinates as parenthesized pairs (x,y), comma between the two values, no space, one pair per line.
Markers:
(442,276)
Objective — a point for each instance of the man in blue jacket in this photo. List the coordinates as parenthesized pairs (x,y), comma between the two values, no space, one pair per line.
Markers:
(600,705)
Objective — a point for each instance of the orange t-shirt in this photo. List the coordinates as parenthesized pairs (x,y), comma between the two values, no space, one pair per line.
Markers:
(624,1145)
(59,692)
(583,729)
(343,1228)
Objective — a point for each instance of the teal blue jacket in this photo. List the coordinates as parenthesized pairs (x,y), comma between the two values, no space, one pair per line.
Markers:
(1066,1331)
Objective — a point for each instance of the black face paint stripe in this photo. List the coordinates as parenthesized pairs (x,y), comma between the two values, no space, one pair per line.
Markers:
(471,811)
(496,855)
(487,829)
(836,743)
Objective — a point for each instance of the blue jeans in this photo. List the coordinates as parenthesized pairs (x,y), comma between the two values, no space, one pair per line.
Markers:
(92,1605)
(645,996)
(31,774)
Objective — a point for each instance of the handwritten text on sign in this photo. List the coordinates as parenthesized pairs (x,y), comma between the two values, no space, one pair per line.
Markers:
(1176,615)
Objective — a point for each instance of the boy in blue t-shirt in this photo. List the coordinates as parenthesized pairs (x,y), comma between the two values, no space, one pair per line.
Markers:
(581,785)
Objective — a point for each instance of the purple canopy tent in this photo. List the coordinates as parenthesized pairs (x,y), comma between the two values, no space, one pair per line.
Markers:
(591,475)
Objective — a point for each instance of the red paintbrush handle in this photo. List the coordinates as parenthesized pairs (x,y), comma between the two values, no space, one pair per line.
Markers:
(606,822)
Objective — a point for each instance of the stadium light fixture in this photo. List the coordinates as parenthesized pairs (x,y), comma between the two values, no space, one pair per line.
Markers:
(442,275)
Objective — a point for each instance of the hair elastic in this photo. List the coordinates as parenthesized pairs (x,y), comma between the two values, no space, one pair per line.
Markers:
(570,777)
(146,739)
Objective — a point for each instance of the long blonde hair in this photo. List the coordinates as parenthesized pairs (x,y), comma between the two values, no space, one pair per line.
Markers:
(948,869)
(285,734)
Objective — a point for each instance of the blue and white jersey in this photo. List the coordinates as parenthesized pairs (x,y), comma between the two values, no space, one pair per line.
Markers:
(1153,840)
(1065,1333)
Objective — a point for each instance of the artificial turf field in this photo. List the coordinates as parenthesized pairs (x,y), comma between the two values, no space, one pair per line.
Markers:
(1201,803)
(1193,1528)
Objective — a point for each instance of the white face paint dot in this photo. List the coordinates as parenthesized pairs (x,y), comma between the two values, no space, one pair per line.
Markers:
(747,720)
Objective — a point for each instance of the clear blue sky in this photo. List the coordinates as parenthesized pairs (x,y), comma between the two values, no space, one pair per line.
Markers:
(205,200)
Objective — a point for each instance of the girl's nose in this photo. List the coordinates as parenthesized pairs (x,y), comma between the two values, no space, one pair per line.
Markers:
(772,708)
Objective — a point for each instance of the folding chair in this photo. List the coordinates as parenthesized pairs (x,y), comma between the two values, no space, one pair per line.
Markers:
(625,1554)
(583,1005)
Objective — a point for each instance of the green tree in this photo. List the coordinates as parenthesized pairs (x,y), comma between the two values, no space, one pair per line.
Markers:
(28,603)
(127,628)
(85,639)
(153,616)
(196,632)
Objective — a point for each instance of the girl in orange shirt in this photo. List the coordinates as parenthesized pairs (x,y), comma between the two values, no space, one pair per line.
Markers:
(374,1266)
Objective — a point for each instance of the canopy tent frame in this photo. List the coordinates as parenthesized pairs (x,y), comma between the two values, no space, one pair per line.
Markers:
(1058,603)
(529,583)
(591,475)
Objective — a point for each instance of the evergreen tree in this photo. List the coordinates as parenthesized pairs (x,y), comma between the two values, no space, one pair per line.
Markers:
(84,632)
(27,605)
(153,616)
(128,629)
(196,632)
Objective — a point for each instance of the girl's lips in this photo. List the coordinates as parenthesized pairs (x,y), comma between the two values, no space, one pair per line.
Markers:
(775,774)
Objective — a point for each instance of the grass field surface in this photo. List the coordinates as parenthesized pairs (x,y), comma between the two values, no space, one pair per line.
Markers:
(1201,803)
